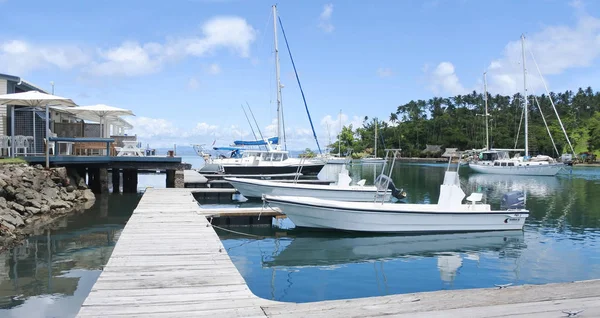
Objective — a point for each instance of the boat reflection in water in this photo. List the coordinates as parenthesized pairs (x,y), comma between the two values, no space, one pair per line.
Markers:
(497,185)
(325,251)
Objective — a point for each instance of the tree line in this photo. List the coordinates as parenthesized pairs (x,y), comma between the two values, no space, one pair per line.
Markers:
(459,122)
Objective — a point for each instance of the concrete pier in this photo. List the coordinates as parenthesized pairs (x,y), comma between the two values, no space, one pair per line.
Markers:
(169,262)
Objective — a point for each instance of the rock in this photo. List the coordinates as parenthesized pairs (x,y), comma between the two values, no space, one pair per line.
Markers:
(33,210)
(17,207)
(18,172)
(7,225)
(71,188)
(45,209)
(39,167)
(10,191)
(3,203)
(88,195)
(59,204)
(3,183)
(12,218)
(51,193)
(50,183)
(68,196)
(35,203)
(60,175)
(81,184)
(21,198)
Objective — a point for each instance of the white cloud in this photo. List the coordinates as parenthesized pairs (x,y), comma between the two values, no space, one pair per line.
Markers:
(384,72)
(129,59)
(214,69)
(20,57)
(193,84)
(557,49)
(332,122)
(132,58)
(325,18)
(443,80)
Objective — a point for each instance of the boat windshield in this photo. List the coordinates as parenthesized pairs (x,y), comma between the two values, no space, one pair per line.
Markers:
(495,155)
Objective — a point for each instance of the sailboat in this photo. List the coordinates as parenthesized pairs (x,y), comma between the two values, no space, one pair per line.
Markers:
(273,159)
(373,159)
(498,161)
(448,215)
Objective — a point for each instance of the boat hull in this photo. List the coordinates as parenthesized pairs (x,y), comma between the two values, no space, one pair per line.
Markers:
(375,217)
(307,169)
(256,189)
(537,170)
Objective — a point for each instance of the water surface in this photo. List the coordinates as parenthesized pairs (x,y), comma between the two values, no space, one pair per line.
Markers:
(52,274)
(559,243)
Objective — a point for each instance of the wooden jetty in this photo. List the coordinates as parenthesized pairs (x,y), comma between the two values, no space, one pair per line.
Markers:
(169,262)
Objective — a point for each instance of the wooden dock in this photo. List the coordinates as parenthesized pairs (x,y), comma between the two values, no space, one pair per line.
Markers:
(169,262)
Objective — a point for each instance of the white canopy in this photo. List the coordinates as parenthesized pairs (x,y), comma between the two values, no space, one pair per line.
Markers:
(35,99)
(100,113)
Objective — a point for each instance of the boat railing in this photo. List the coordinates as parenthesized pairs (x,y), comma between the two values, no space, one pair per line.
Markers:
(395,153)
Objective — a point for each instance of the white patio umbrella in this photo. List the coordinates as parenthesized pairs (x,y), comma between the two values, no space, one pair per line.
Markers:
(100,113)
(35,99)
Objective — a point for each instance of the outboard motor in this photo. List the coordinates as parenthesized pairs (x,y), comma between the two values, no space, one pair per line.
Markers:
(513,200)
(380,183)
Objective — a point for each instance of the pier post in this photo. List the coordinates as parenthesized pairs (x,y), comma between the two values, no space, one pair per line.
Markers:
(170,182)
(130,180)
(179,181)
(103,180)
(94,179)
(116,180)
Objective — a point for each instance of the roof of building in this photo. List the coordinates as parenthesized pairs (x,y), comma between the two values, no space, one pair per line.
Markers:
(21,83)
(432,148)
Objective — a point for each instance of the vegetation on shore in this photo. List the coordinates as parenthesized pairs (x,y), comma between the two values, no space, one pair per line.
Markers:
(459,122)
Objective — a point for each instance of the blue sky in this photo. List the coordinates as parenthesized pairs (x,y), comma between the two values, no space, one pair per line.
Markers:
(184,67)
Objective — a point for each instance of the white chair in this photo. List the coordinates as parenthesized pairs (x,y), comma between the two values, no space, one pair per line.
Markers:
(52,144)
(5,144)
(21,142)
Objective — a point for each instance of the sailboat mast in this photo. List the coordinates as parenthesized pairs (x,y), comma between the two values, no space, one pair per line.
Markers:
(277,75)
(487,134)
(340,137)
(525,96)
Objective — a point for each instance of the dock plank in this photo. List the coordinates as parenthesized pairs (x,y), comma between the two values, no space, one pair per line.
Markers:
(169,262)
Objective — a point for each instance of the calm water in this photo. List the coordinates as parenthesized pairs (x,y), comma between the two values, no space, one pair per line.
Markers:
(52,274)
(560,243)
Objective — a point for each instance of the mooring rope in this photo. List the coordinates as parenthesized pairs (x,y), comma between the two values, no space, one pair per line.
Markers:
(232,231)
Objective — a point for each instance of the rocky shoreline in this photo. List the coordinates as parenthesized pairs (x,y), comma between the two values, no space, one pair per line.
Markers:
(31,197)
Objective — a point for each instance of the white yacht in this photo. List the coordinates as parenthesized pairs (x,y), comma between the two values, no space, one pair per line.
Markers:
(498,161)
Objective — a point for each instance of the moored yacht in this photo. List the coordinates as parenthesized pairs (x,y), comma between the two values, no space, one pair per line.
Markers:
(499,162)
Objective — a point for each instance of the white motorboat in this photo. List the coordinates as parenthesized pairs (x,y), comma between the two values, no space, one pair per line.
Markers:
(448,215)
(341,190)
